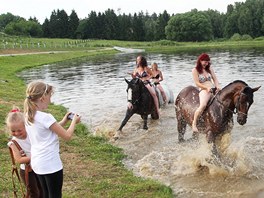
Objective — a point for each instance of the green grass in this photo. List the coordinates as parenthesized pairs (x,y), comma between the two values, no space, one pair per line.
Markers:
(10,43)
(92,166)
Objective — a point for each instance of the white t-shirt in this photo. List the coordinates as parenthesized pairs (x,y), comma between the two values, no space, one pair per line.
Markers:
(45,157)
(25,145)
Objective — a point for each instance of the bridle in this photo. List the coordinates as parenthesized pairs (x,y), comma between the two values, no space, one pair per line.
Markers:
(235,111)
(133,102)
(238,104)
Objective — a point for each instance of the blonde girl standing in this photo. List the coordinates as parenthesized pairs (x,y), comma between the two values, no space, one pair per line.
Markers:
(43,131)
(15,123)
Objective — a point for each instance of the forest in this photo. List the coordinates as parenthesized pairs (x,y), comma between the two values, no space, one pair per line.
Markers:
(244,20)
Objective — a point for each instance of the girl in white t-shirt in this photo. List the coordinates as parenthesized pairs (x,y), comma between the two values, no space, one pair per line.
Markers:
(43,131)
(15,123)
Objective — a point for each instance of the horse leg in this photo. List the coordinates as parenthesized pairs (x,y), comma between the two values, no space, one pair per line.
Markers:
(181,129)
(128,116)
(211,140)
(210,137)
(145,118)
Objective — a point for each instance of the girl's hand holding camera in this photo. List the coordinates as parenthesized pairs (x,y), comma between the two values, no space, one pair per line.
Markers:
(73,116)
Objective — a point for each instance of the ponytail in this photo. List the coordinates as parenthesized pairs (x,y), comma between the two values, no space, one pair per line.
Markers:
(35,91)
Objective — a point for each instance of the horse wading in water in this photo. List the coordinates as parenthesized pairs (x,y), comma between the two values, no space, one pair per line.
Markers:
(217,118)
(140,102)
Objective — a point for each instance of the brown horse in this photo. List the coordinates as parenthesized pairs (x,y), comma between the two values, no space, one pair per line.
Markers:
(217,118)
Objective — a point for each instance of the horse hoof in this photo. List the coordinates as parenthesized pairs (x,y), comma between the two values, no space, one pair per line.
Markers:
(146,128)
(195,136)
(117,135)
(181,140)
(116,138)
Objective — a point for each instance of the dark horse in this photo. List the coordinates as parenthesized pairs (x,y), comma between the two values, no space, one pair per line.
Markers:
(217,118)
(141,102)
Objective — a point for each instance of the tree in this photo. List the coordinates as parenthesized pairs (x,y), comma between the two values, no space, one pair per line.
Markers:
(217,22)
(111,25)
(7,18)
(33,29)
(73,24)
(245,21)
(25,28)
(138,27)
(162,22)
(150,29)
(125,27)
(80,32)
(190,26)
(46,29)
(59,24)
(231,26)
(91,26)
(63,24)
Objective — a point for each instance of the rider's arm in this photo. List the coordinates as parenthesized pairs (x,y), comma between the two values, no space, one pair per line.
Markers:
(133,75)
(149,72)
(216,83)
(161,76)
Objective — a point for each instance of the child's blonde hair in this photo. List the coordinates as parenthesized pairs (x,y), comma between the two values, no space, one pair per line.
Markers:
(35,90)
(14,116)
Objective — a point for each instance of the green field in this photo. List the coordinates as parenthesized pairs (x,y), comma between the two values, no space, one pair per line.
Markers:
(92,166)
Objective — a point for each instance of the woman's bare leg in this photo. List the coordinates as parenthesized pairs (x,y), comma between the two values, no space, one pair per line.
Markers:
(155,97)
(204,97)
(163,93)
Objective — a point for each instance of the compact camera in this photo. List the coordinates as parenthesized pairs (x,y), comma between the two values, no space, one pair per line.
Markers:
(70,116)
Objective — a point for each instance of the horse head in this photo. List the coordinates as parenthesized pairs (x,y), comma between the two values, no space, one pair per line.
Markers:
(243,102)
(134,90)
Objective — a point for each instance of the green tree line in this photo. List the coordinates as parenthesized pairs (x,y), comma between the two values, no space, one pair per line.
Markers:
(245,19)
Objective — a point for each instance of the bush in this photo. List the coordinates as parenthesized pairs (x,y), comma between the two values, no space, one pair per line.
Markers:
(236,37)
(246,37)
(261,38)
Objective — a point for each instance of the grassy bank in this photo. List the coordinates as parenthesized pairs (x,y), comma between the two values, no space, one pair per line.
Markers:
(23,44)
(92,167)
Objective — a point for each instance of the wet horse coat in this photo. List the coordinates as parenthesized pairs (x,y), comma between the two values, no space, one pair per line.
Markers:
(142,103)
(217,118)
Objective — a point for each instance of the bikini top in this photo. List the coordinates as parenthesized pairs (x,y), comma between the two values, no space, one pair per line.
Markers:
(144,74)
(203,78)
(156,77)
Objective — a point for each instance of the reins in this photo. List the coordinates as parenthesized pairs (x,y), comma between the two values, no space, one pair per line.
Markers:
(235,111)
(15,172)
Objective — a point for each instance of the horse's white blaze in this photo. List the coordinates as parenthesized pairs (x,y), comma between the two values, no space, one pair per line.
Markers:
(247,105)
(129,94)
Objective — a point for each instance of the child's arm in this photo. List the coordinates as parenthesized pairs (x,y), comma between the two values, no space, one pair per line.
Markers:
(17,155)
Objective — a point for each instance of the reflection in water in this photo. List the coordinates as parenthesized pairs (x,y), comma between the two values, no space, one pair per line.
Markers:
(96,90)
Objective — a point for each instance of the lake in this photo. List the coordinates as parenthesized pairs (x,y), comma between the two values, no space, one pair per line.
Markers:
(97,91)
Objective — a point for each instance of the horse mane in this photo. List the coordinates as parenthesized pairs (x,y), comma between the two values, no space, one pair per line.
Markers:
(236,81)
(139,82)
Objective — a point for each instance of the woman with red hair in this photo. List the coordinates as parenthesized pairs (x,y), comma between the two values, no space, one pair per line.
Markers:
(205,79)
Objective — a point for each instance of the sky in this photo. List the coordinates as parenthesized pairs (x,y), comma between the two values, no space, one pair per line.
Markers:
(42,9)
